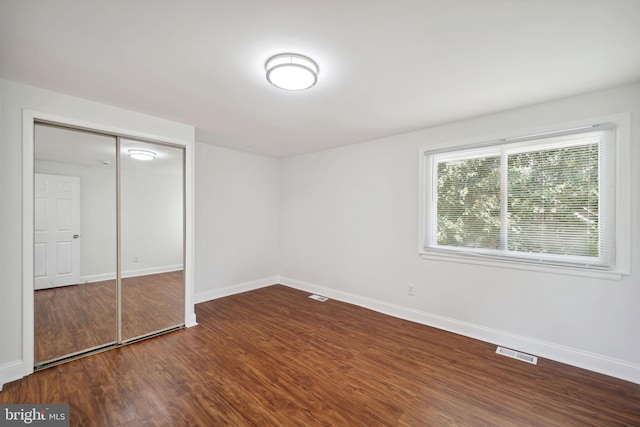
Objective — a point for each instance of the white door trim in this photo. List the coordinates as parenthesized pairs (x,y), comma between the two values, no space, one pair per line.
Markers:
(29,117)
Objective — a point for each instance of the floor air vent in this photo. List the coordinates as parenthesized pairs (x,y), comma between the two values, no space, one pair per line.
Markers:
(517,355)
(318,298)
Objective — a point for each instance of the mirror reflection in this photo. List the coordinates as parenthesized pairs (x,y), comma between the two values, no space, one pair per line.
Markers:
(108,241)
(74,242)
(152,228)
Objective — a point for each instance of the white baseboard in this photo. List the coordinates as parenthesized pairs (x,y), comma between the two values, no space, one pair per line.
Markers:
(152,270)
(191,321)
(235,289)
(97,278)
(131,273)
(11,371)
(571,356)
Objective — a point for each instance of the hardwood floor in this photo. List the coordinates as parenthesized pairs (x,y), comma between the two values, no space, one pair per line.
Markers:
(62,315)
(149,303)
(273,357)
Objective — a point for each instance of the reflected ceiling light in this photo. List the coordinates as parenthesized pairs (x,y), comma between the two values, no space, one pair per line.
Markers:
(142,154)
(291,71)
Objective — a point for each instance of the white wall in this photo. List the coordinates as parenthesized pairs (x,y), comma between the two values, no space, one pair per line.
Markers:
(349,228)
(16,97)
(152,221)
(237,214)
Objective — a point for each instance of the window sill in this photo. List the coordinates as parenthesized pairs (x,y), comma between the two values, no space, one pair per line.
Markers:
(515,265)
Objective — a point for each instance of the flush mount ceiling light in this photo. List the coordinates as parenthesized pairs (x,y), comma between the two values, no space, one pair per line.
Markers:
(142,154)
(291,71)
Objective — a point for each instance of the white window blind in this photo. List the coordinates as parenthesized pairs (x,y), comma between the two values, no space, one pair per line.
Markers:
(546,199)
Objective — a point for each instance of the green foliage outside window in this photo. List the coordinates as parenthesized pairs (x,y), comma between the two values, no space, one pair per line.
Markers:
(552,203)
(469,203)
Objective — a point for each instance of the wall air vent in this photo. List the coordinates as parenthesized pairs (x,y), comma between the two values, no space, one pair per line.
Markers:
(318,298)
(517,355)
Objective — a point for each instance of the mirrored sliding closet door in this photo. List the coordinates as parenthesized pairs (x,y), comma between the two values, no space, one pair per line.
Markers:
(108,243)
(75,253)
(152,243)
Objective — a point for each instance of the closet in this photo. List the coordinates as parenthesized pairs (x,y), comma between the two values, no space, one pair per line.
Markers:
(108,241)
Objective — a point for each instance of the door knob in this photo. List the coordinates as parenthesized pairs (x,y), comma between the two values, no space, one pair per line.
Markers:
(75,236)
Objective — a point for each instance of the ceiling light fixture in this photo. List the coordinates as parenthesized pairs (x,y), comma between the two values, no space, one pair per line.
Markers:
(142,154)
(292,71)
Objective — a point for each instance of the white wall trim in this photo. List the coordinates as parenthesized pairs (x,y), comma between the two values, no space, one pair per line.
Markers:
(570,356)
(131,273)
(10,372)
(189,234)
(236,289)
(151,270)
(94,278)
(28,120)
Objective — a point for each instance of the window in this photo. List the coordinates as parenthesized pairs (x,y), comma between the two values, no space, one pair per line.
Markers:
(546,200)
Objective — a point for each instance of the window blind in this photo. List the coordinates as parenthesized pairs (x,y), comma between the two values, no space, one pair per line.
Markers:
(548,199)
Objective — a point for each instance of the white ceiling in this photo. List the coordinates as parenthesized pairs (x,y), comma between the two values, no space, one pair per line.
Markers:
(386,67)
(78,148)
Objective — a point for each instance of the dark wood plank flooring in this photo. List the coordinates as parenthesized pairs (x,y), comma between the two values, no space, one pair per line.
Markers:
(273,357)
(151,303)
(62,316)
(72,319)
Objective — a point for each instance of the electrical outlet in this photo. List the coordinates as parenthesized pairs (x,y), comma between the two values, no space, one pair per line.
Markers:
(410,291)
(136,258)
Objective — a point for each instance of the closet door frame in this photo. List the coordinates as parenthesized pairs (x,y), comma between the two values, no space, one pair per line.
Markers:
(30,117)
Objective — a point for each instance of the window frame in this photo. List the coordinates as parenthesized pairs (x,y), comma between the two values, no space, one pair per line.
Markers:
(621,178)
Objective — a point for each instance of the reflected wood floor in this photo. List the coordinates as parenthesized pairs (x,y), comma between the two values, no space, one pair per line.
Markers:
(63,315)
(75,318)
(151,303)
(274,357)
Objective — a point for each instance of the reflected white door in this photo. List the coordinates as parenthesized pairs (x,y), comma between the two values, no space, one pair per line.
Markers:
(57,231)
